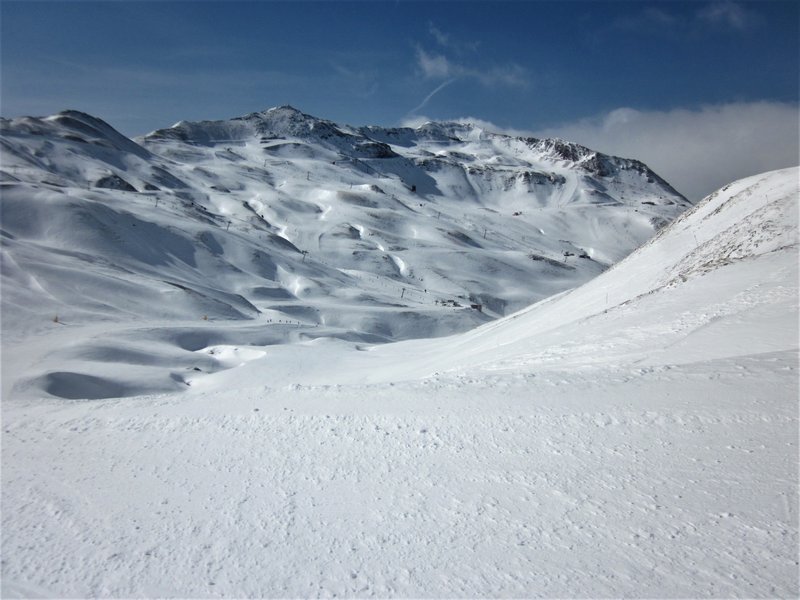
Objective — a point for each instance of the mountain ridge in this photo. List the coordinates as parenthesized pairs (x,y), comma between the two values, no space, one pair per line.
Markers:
(312,229)
(297,123)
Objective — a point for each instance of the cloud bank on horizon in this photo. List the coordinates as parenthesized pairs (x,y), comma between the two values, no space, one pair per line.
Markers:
(696,150)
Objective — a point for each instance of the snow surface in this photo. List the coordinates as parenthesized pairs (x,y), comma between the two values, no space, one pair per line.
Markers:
(635,436)
(279,227)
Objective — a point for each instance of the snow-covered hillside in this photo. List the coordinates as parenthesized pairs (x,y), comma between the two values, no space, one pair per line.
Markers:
(634,437)
(278,226)
(642,311)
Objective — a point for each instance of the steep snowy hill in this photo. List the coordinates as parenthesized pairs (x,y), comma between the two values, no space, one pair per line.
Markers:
(634,437)
(278,226)
(721,281)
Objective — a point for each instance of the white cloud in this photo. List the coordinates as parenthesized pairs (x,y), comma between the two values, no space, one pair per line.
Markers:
(441,38)
(438,67)
(447,64)
(511,75)
(697,151)
(723,15)
(727,14)
(435,66)
(445,40)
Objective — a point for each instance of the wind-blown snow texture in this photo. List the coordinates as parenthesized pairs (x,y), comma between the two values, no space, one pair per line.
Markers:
(635,436)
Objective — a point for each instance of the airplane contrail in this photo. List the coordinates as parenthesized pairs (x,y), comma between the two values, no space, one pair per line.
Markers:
(432,94)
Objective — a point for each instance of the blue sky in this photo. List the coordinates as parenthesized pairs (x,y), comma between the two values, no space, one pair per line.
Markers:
(531,67)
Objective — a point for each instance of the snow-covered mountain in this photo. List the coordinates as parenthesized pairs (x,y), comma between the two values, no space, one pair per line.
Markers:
(227,289)
(719,282)
(633,437)
(295,226)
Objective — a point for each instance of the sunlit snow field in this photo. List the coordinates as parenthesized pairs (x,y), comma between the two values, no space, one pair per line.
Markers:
(634,436)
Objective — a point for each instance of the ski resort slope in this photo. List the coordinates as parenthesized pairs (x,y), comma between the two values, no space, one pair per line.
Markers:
(121,258)
(635,437)
(719,282)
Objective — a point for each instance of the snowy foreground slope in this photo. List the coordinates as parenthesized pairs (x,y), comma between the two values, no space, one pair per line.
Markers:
(279,227)
(634,437)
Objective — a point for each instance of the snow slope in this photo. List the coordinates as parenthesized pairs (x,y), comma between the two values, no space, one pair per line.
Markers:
(634,437)
(749,227)
(277,227)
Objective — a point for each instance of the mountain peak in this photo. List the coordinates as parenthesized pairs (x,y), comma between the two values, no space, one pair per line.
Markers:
(287,121)
(286,110)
